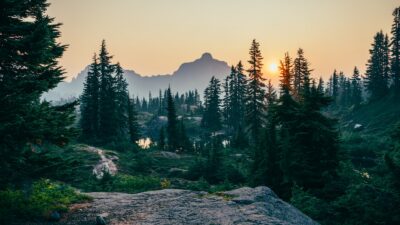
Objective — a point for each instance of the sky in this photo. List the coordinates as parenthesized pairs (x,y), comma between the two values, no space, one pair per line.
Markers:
(155,36)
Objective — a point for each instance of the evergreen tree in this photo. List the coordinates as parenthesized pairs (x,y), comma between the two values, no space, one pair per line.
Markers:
(320,87)
(286,77)
(172,125)
(356,87)
(395,52)
(301,73)
(107,113)
(335,86)
(121,103)
(89,103)
(228,98)
(29,56)
(133,125)
(236,99)
(376,80)
(255,107)
(212,112)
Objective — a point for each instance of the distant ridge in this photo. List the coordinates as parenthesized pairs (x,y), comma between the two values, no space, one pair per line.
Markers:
(189,76)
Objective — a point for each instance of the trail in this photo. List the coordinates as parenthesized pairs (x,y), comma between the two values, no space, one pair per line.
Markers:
(106,163)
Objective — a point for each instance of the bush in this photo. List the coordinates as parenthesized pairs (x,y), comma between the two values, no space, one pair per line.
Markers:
(43,198)
(124,183)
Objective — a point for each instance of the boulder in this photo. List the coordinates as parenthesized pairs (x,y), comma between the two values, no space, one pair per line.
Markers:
(173,206)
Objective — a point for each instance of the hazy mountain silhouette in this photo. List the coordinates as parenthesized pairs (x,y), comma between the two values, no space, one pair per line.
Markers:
(189,76)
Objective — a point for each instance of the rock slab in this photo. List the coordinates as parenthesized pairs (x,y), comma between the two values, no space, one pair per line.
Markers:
(172,206)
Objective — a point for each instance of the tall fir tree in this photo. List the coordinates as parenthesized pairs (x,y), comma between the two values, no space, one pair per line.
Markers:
(121,103)
(172,125)
(356,87)
(89,103)
(377,74)
(286,74)
(335,86)
(29,55)
(212,102)
(301,73)
(237,104)
(255,106)
(107,113)
(133,125)
(395,52)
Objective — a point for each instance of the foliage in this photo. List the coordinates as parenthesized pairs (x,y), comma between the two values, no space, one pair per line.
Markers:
(124,183)
(39,201)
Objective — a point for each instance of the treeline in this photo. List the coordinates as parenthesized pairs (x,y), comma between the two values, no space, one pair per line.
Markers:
(186,103)
(292,142)
(107,112)
(382,77)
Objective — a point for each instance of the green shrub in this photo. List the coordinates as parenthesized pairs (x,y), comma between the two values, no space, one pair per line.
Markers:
(124,183)
(42,198)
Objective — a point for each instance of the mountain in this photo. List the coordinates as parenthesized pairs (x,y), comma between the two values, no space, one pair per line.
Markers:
(189,76)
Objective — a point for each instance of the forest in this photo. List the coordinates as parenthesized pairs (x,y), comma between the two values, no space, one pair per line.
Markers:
(330,148)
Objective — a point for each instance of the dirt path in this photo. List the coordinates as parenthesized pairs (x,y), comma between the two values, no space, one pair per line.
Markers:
(106,163)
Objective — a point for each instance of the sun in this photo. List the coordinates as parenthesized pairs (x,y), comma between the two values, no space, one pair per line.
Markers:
(273,67)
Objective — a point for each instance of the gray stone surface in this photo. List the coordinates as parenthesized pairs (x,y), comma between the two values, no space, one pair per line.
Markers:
(172,206)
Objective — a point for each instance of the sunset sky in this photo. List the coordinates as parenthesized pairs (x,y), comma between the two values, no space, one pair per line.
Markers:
(156,36)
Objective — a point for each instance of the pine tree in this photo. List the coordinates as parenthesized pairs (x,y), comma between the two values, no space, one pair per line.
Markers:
(29,56)
(228,97)
(376,80)
(133,125)
(172,125)
(356,87)
(320,87)
(286,74)
(89,103)
(255,107)
(335,87)
(395,52)
(107,125)
(236,99)
(212,112)
(121,103)
(301,73)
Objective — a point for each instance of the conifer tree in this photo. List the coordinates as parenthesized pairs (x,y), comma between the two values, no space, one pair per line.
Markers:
(29,67)
(89,103)
(377,74)
(172,125)
(301,73)
(356,87)
(255,107)
(107,125)
(395,52)
(212,111)
(133,125)
(320,86)
(286,74)
(335,86)
(236,99)
(121,102)
(228,97)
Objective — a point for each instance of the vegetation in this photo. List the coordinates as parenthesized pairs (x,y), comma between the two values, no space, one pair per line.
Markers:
(331,150)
